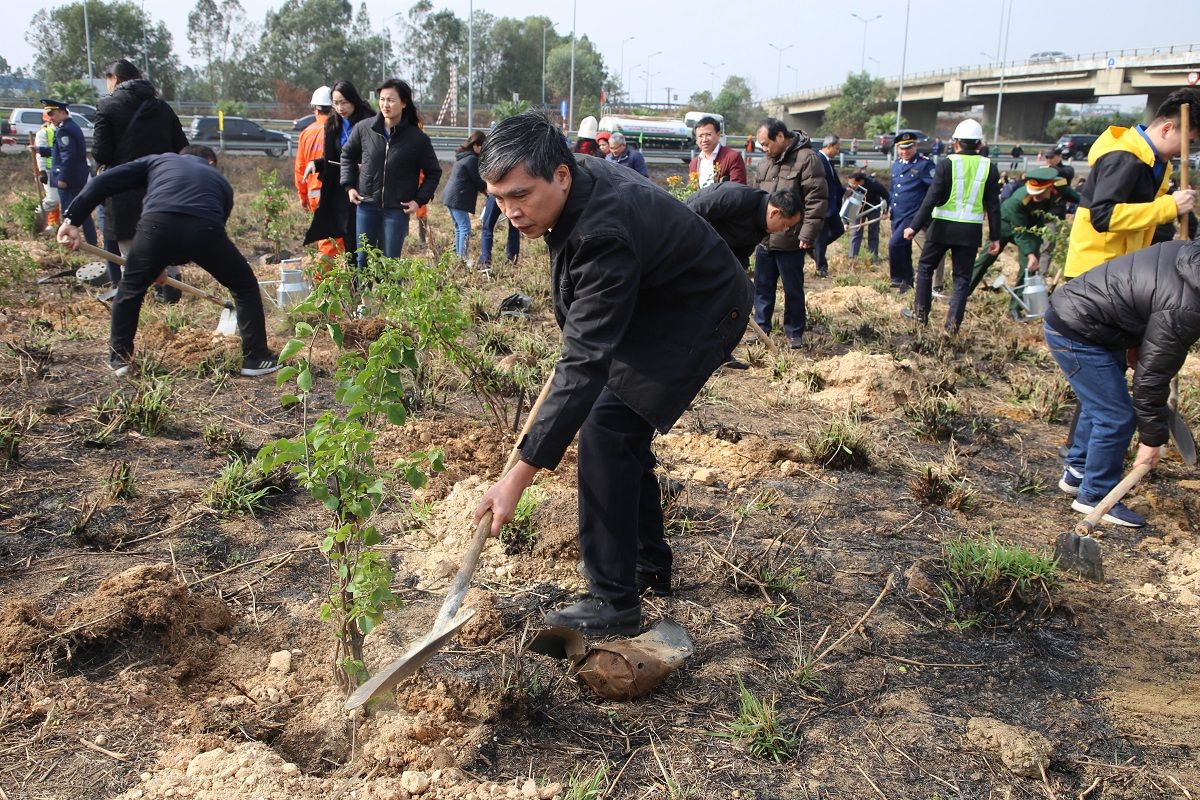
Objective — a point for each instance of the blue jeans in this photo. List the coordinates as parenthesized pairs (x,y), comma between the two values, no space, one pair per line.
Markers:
(385,229)
(462,231)
(1106,420)
(491,214)
(771,266)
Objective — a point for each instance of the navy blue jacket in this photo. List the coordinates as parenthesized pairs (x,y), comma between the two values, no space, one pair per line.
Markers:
(631,158)
(836,190)
(910,181)
(174,184)
(68,156)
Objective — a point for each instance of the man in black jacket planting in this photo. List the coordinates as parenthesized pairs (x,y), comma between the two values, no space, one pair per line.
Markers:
(1142,309)
(744,216)
(650,302)
(186,204)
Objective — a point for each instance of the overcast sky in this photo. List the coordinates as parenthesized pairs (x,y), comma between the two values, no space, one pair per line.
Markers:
(824,41)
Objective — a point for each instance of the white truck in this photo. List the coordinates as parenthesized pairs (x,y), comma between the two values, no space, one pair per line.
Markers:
(659,133)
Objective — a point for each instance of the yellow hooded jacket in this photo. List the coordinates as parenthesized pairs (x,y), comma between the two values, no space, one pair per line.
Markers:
(1120,204)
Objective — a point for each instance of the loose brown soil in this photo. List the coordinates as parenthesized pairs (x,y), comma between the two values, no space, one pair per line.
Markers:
(153,648)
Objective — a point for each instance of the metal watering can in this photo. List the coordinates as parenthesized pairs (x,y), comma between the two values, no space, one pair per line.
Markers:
(292,287)
(852,206)
(1035,295)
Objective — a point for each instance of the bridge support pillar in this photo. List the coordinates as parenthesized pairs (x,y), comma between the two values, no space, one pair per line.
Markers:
(1153,101)
(1022,118)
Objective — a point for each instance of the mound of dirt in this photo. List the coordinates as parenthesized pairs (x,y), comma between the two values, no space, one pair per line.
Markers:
(187,347)
(487,625)
(470,449)
(708,460)
(877,383)
(147,597)
(853,300)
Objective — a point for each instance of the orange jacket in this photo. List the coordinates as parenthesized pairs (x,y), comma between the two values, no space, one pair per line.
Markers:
(310,147)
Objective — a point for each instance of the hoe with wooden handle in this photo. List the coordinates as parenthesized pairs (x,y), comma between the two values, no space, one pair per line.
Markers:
(226,326)
(450,618)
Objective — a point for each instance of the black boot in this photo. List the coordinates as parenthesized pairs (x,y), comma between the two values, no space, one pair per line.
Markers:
(596,616)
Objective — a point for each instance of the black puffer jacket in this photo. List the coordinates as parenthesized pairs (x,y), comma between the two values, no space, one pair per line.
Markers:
(1149,299)
(386,171)
(130,123)
(464,187)
(738,213)
(646,314)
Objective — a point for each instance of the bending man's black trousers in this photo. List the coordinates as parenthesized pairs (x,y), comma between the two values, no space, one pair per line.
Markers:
(620,505)
(164,240)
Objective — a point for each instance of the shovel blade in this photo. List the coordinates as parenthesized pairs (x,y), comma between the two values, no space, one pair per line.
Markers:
(227,326)
(1182,436)
(1081,555)
(413,659)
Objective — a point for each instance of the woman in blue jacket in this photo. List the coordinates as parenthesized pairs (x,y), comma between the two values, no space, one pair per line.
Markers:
(461,194)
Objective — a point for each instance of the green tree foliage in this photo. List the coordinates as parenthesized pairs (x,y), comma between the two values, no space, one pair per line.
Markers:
(701,101)
(515,48)
(76,91)
(309,43)
(219,35)
(116,30)
(861,97)
(736,103)
(882,123)
(433,42)
(508,108)
(1093,125)
(589,75)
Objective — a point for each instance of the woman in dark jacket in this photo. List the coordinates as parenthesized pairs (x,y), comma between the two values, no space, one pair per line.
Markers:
(333,218)
(131,122)
(461,194)
(382,162)
(1141,309)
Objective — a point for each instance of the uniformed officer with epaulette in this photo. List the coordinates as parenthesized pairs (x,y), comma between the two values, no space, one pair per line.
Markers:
(69,170)
(1058,210)
(912,174)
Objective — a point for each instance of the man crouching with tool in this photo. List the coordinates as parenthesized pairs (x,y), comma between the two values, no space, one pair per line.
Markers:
(650,302)
(183,219)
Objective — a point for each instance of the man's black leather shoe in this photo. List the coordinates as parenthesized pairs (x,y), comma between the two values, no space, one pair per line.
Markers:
(596,616)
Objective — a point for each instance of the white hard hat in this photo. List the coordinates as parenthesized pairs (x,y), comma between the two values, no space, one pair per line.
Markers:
(969,129)
(323,96)
(588,128)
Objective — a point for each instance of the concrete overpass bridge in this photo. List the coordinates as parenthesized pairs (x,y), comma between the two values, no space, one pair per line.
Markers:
(1031,89)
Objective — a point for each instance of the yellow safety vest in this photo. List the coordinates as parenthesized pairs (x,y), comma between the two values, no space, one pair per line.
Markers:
(970,173)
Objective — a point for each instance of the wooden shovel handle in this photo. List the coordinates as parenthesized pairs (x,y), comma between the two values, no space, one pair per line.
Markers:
(100,252)
(462,580)
(1090,522)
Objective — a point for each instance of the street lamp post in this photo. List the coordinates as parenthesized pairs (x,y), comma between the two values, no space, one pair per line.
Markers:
(903,66)
(712,71)
(1003,59)
(862,67)
(87,38)
(385,40)
(545,28)
(624,88)
(779,68)
(470,65)
(571,98)
(652,55)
